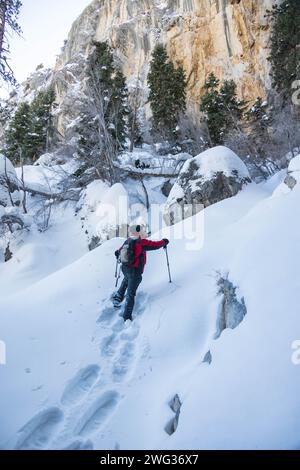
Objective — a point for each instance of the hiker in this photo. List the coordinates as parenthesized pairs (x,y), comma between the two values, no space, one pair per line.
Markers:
(132,255)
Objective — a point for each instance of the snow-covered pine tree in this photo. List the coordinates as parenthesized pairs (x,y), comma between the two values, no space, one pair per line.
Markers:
(30,130)
(222,109)
(119,109)
(211,106)
(9,14)
(42,129)
(17,135)
(102,128)
(258,125)
(167,93)
(234,108)
(135,103)
(258,117)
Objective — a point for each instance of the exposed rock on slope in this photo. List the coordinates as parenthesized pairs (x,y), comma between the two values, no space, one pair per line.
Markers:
(293,175)
(232,310)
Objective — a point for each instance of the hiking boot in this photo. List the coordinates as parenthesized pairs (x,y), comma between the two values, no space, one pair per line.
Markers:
(127,318)
(116,300)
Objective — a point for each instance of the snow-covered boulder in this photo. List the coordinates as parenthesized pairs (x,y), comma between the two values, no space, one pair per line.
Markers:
(9,187)
(92,196)
(206,179)
(113,213)
(51,159)
(103,211)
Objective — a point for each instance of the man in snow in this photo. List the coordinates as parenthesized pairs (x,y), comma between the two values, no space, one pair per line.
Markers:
(133,266)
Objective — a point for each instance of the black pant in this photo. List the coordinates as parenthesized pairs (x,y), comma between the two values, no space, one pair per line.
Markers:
(130,283)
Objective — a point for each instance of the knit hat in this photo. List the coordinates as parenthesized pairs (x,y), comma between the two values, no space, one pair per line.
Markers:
(138,230)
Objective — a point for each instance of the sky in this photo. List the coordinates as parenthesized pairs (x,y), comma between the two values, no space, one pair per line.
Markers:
(45,25)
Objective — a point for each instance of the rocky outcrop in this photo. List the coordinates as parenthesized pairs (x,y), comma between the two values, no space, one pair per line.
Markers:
(293,176)
(212,176)
(227,37)
(232,310)
(290,181)
(175,405)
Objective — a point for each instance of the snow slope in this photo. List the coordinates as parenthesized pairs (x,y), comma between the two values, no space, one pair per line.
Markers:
(77,377)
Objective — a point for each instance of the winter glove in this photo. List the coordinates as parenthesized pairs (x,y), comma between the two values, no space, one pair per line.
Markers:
(166,242)
(117,254)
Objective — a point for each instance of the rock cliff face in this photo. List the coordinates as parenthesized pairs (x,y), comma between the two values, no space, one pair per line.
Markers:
(228,37)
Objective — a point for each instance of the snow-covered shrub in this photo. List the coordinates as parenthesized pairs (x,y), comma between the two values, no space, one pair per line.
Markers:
(9,186)
(150,161)
(52,159)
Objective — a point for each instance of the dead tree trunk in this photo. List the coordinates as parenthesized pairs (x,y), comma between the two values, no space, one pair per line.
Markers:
(3,9)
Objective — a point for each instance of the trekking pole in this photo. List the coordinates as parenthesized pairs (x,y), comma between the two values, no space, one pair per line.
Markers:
(116,271)
(168,264)
(118,274)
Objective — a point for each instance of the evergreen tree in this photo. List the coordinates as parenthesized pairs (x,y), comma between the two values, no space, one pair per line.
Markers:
(41,130)
(119,109)
(167,92)
(29,132)
(234,108)
(9,13)
(285,44)
(134,124)
(258,116)
(221,107)
(212,107)
(103,124)
(258,121)
(111,83)
(17,140)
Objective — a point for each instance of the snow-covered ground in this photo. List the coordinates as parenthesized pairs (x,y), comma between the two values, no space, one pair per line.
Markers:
(78,377)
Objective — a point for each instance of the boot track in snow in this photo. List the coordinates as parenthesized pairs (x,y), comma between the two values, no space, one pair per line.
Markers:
(93,394)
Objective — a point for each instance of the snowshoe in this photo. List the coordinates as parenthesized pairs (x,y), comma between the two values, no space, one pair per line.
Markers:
(116,301)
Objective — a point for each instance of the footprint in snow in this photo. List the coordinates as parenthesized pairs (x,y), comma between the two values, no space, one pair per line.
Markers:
(80,385)
(80,445)
(140,304)
(108,345)
(38,432)
(130,333)
(107,315)
(97,414)
(119,325)
(123,362)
